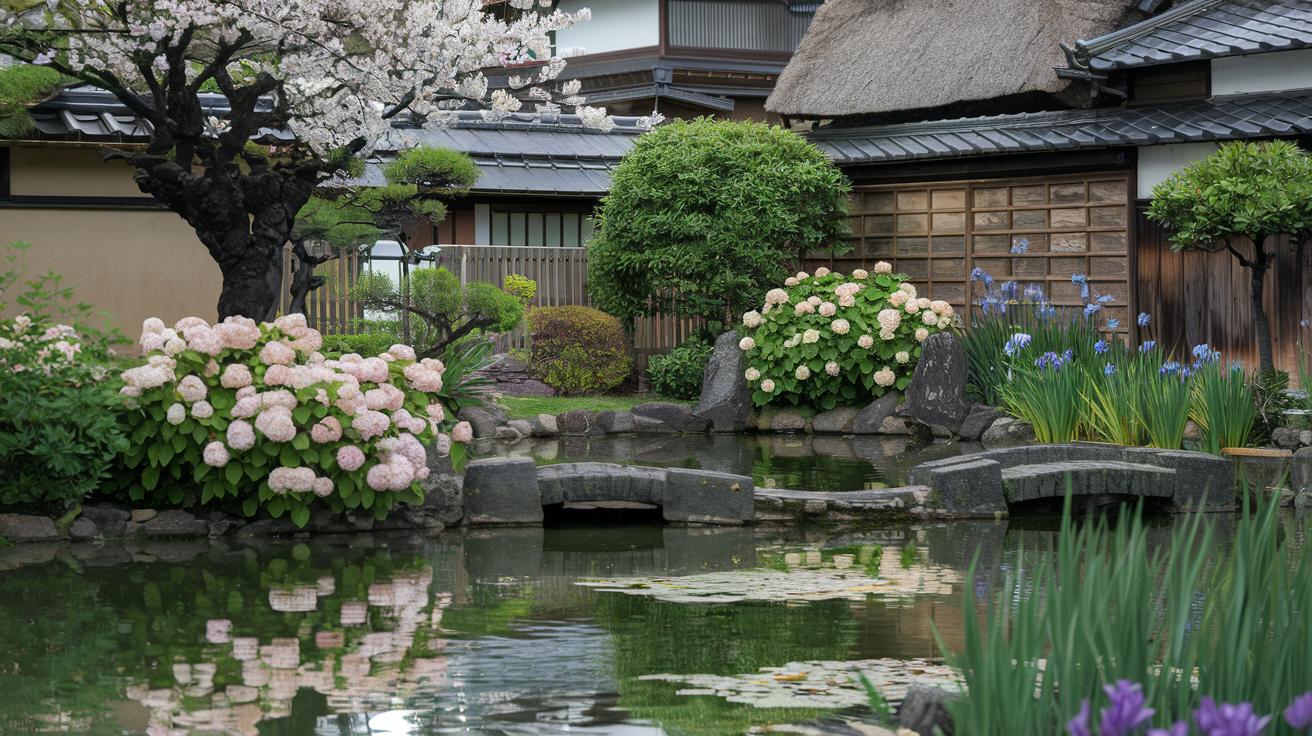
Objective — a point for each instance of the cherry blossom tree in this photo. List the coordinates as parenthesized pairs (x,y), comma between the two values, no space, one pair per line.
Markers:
(305,88)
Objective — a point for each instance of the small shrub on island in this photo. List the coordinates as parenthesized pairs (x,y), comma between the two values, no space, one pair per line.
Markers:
(578,350)
(829,340)
(679,374)
(255,416)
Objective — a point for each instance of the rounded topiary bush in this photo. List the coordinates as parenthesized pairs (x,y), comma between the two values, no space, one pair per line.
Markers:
(831,340)
(578,350)
(679,374)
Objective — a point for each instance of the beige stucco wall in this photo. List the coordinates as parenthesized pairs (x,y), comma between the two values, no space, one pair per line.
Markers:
(132,264)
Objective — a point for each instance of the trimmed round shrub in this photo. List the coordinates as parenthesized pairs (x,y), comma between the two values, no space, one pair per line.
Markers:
(831,340)
(679,374)
(578,350)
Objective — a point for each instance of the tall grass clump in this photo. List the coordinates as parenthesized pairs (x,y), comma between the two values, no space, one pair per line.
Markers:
(1224,405)
(1109,612)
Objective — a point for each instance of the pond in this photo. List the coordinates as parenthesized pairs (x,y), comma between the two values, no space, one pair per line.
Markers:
(483,631)
(797,462)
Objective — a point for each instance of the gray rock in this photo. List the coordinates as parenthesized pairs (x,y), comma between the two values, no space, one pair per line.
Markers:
(521,426)
(675,416)
(141,516)
(502,490)
(175,523)
(575,422)
(1285,437)
(83,528)
(1305,437)
(1021,431)
(708,498)
(647,425)
(218,528)
(726,399)
(981,417)
(545,426)
(111,522)
(507,433)
(966,485)
(614,422)
(483,419)
(870,419)
(834,420)
(937,392)
(894,425)
(1300,471)
(925,711)
(997,434)
(24,528)
(787,421)
(1192,430)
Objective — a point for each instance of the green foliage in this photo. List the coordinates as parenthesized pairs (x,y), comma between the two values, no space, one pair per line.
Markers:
(371,337)
(1271,400)
(1106,607)
(703,215)
(521,288)
(527,407)
(578,350)
(431,169)
(679,374)
(342,226)
(1224,406)
(439,311)
(212,440)
(1242,190)
(800,354)
(22,85)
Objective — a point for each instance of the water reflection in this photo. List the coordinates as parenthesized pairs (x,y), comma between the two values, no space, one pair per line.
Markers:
(474,632)
(797,462)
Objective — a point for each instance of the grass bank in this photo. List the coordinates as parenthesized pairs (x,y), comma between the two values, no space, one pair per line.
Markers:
(524,407)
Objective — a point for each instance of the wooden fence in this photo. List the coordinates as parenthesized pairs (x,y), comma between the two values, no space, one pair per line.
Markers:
(561,275)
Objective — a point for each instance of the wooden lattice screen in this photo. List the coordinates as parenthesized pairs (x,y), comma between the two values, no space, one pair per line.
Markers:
(938,233)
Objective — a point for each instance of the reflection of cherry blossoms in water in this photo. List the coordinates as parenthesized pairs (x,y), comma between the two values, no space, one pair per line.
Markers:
(355,669)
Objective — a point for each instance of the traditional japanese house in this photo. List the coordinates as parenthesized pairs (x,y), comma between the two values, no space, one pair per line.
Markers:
(1023,138)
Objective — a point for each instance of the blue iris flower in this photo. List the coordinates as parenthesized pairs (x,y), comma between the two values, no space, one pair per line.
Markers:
(1091,308)
(980,274)
(1106,298)
(1101,347)
(1109,369)
(1113,323)
(1017,341)
(1083,283)
(1021,246)
(1148,345)
(1169,369)
(1144,317)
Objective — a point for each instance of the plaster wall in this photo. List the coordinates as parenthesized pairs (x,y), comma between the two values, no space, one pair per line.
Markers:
(1273,72)
(132,264)
(1156,163)
(615,25)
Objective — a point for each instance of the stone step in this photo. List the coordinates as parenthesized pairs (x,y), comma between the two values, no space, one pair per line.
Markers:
(1087,477)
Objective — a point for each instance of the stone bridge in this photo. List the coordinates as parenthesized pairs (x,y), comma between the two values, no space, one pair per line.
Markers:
(986,483)
(513,490)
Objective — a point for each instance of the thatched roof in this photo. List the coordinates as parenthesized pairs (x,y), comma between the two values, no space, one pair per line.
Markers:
(864,57)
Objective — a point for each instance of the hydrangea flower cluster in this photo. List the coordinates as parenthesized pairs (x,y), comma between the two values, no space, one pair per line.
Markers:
(255,412)
(827,339)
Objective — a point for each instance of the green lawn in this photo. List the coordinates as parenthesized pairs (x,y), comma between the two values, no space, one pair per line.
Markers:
(524,407)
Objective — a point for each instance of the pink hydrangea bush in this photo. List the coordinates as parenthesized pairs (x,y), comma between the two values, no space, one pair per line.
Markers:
(826,339)
(253,413)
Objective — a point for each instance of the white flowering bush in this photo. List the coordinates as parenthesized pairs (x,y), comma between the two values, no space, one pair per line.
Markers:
(829,340)
(254,414)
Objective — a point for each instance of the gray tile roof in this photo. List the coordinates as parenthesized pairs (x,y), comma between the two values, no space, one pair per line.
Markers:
(1204,29)
(1247,116)
(520,154)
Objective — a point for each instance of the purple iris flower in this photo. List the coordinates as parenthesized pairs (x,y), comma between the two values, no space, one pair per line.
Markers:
(980,274)
(1169,369)
(1147,345)
(1299,712)
(1179,728)
(1228,720)
(1126,712)
(1110,369)
(1144,317)
(1079,725)
(1016,342)
(1101,347)
(1091,308)
(1034,293)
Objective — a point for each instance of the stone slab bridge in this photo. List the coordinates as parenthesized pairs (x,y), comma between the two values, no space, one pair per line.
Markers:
(984,484)
(513,490)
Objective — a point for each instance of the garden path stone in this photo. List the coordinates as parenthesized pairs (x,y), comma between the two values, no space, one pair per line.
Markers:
(706,497)
(174,523)
(25,528)
(502,490)
(835,420)
(937,392)
(726,399)
(615,422)
(870,419)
